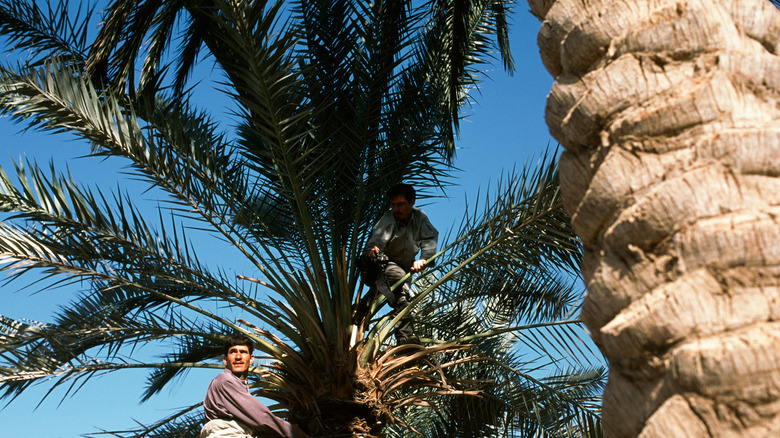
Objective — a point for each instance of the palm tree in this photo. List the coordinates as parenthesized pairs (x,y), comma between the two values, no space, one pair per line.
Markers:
(668,112)
(333,102)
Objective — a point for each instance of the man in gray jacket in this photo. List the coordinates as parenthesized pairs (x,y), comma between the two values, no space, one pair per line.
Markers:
(400,234)
(231,411)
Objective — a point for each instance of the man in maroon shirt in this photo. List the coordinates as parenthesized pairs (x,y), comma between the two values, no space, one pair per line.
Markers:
(231,411)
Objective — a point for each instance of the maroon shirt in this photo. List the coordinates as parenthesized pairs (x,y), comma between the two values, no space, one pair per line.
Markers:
(228,398)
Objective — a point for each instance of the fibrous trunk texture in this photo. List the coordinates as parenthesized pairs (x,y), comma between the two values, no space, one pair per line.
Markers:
(669,114)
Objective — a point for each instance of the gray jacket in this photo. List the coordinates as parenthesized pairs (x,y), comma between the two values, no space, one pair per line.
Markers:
(401,242)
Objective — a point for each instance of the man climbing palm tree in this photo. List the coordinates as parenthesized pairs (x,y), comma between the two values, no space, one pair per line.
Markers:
(401,233)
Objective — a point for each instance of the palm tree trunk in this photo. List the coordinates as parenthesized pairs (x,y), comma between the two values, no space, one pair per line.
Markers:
(669,113)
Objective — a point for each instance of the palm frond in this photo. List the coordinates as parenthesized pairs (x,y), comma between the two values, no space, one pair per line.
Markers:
(57,31)
(177,149)
(467,25)
(182,424)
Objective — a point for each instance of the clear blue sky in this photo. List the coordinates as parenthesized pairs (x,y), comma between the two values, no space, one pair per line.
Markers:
(505,129)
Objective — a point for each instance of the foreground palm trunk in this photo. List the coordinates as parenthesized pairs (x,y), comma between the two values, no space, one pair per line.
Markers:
(668,110)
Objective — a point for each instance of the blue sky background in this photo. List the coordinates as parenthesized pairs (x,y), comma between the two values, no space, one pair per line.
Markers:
(505,129)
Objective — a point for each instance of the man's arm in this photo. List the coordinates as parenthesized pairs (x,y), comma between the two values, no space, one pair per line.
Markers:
(429,239)
(245,408)
(380,235)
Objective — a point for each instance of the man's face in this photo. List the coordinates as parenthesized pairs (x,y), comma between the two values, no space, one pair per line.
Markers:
(402,209)
(238,359)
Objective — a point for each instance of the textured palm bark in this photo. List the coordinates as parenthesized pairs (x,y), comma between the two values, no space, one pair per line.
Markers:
(669,112)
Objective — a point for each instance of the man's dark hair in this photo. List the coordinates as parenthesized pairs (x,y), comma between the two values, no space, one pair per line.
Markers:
(239,340)
(405,190)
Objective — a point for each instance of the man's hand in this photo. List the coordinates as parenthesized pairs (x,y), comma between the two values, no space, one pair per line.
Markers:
(372,252)
(418,265)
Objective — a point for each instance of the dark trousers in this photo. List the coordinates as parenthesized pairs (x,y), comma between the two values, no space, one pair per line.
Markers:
(398,298)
